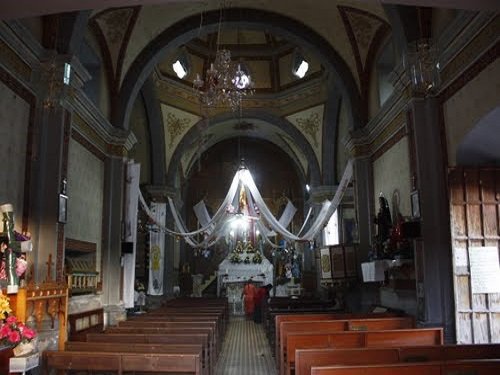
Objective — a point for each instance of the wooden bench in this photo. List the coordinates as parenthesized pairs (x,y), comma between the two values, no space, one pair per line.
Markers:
(320,316)
(171,338)
(122,362)
(139,324)
(459,367)
(168,330)
(169,314)
(80,324)
(165,321)
(107,347)
(305,359)
(373,324)
(358,339)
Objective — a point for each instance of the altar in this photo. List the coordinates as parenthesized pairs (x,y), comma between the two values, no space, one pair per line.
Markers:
(232,276)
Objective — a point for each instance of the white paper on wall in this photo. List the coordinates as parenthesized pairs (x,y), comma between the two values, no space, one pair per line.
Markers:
(484,269)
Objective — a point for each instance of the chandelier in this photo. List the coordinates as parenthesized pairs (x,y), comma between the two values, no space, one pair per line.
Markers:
(225,84)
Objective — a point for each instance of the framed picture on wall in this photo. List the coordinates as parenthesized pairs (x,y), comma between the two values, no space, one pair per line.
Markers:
(338,265)
(63,209)
(325,263)
(415,204)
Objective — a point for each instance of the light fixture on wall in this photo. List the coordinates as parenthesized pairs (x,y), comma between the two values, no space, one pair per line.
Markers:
(422,67)
(299,65)
(225,83)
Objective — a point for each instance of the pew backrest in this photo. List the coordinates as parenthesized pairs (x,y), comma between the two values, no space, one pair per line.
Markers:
(463,367)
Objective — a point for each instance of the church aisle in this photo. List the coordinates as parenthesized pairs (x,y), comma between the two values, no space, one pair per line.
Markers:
(245,350)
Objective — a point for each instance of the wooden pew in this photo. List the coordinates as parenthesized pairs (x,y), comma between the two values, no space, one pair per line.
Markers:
(80,324)
(168,330)
(320,316)
(462,367)
(166,314)
(165,321)
(171,338)
(107,347)
(122,362)
(373,324)
(358,339)
(305,359)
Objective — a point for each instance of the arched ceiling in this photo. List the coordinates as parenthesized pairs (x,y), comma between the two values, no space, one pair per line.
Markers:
(348,34)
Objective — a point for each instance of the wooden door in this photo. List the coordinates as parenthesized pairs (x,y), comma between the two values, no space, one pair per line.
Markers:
(475,222)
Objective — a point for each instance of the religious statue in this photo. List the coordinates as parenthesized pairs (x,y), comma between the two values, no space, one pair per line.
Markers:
(384,225)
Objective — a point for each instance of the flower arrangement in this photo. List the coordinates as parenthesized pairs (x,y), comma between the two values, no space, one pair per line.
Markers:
(257,258)
(4,306)
(12,331)
(139,287)
(235,257)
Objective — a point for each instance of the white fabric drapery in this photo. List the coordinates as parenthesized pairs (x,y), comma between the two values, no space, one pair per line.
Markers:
(132,192)
(213,229)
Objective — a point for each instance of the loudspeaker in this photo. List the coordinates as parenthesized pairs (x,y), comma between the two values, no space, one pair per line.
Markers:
(127,247)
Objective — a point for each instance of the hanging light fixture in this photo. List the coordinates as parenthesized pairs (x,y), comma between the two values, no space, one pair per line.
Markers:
(422,64)
(225,83)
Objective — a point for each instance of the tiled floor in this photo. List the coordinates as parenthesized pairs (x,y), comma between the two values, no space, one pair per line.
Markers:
(245,350)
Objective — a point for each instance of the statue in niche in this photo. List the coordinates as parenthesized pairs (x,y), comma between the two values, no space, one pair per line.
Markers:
(384,225)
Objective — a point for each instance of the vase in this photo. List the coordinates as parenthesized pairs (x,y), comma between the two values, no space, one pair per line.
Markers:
(23,349)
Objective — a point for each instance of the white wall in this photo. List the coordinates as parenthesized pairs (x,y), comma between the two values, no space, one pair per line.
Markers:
(14,118)
(472,102)
(391,172)
(85,202)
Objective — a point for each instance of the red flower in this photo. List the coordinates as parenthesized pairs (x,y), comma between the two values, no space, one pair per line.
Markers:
(29,333)
(4,331)
(14,337)
(11,319)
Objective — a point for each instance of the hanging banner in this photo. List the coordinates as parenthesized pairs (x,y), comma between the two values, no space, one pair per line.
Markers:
(157,250)
(132,175)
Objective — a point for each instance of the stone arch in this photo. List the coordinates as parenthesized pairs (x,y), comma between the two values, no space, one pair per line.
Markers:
(283,124)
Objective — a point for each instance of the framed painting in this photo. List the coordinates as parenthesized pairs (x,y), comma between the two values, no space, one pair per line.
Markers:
(338,265)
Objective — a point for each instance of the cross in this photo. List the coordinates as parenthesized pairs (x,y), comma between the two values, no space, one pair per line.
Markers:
(49,268)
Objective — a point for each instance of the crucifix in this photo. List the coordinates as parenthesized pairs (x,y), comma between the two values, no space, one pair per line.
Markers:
(49,269)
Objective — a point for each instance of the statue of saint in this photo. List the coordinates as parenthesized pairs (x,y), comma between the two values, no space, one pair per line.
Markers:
(384,224)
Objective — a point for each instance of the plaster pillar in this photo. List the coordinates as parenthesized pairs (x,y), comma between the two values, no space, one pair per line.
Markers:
(435,290)
(50,161)
(112,231)
(363,193)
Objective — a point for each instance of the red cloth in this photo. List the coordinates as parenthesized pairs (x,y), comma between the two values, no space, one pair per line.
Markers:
(249,292)
(260,295)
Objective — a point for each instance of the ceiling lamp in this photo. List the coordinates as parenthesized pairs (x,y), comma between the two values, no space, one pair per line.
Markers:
(225,83)
(299,65)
